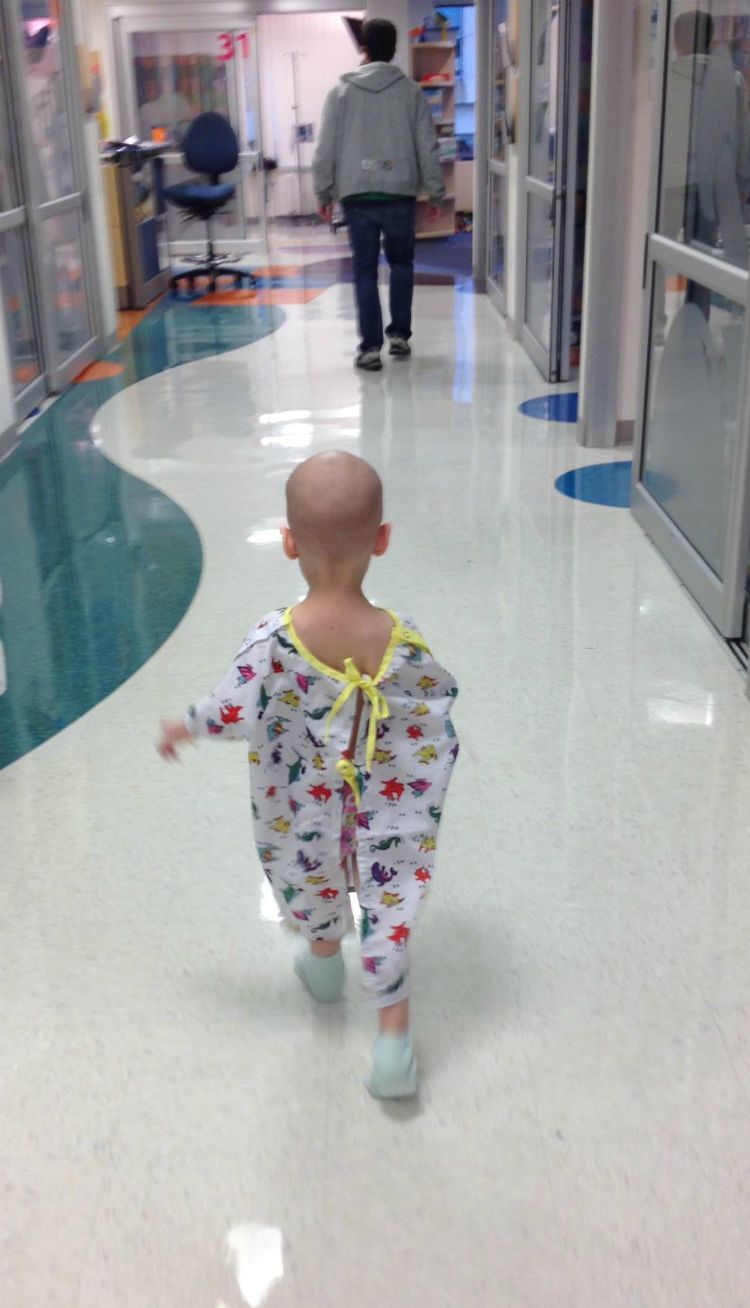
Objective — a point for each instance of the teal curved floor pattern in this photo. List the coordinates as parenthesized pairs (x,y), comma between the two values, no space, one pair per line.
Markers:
(96,566)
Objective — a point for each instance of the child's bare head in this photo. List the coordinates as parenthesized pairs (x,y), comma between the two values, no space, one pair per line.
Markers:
(334,512)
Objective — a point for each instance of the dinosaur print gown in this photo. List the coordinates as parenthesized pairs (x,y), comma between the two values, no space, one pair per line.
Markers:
(348,778)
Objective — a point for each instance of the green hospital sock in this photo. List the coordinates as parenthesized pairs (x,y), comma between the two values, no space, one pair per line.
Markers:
(324,977)
(394,1068)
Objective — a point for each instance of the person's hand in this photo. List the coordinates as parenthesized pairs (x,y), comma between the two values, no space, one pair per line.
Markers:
(433,212)
(326,212)
(172,735)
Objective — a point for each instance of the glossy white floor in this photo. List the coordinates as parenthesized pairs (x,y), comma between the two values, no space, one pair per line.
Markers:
(180,1128)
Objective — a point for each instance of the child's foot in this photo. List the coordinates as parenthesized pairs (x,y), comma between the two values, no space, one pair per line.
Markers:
(394,1068)
(324,977)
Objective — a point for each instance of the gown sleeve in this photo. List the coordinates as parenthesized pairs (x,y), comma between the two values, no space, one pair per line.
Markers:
(231,710)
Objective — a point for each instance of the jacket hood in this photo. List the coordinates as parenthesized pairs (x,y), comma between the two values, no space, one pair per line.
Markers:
(374,77)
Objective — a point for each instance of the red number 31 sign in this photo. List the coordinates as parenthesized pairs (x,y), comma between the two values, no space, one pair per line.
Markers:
(228,42)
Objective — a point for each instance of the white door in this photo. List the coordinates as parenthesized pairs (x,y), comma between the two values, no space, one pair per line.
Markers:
(48,234)
(691,467)
(549,160)
(171,68)
(497,246)
(18,298)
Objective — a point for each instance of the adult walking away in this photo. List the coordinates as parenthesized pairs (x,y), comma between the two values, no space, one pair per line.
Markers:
(377,152)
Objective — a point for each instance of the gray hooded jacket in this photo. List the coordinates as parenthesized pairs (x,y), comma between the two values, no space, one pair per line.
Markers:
(377,136)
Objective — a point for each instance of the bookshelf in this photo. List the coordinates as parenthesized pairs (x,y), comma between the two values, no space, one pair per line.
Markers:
(433,67)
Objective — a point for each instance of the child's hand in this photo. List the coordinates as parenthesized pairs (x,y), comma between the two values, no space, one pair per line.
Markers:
(172,735)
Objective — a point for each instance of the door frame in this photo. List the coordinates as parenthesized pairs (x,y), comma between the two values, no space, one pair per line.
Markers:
(553,361)
(59,370)
(723,601)
(496,293)
(33,394)
(486,161)
(17,219)
(230,16)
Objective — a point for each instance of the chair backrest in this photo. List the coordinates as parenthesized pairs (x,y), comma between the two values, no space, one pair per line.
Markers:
(210,145)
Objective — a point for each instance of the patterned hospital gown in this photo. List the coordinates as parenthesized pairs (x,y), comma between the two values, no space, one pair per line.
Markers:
(348,776)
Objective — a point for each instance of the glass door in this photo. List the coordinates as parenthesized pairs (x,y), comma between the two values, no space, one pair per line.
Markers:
(53,229)
(549,182)
(169,75)
(16,277)
(498,164)
(691,464)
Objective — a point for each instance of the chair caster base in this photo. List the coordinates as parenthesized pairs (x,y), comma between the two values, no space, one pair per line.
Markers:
(186,280)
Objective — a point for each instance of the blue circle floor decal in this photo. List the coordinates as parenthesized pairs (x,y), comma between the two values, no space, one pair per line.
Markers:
(558,407)
(599,483)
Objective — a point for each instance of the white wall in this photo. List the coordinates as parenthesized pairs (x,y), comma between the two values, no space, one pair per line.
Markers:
(635,232)
(106,303)
(93,20)
(618,191)
(326,52)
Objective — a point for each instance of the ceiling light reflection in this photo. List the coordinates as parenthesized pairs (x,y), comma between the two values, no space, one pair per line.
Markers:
(255,1253)
(269,909)
(264,536)
(682,706)
(293,435)
(289,415)
(351,411)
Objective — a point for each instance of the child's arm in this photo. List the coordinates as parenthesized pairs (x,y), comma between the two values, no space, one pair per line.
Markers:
(229,712)
(172,735)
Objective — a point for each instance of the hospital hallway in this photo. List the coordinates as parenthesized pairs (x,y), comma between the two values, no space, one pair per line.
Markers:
(181,1127)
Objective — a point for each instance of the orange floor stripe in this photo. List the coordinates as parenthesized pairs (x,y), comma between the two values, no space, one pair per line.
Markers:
(270,295)
(99,371)
(127,319)
(227,297)
(279,270)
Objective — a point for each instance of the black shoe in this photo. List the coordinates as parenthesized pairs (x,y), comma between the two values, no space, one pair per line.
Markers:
(400,348)
(369,360)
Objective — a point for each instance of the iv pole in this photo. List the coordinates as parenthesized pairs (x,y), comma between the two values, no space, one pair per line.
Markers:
(294,56)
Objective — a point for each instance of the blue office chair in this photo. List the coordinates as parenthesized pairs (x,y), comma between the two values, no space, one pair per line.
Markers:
(209,147)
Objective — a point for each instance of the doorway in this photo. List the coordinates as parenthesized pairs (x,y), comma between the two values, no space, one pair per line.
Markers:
(443,60)
(691,490)
(45,254)
(554,159)
(167,75)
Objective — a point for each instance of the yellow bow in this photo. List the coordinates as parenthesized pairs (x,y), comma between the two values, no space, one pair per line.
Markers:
(379,710)
(348,773)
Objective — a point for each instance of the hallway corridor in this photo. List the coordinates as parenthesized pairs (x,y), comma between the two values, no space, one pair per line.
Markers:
(180,1129)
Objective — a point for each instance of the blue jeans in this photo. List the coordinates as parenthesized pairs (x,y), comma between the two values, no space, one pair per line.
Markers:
(393,220)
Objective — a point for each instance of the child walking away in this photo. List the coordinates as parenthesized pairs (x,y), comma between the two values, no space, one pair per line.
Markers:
(346,715)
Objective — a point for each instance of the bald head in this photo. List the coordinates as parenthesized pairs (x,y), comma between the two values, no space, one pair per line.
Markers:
(334,505)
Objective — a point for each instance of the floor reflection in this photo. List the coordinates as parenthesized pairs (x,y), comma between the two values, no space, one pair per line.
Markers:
(97,567)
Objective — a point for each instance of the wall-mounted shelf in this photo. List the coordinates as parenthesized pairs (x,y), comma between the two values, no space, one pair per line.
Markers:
(438,59)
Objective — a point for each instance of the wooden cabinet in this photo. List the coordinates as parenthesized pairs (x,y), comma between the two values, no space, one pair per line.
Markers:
(433,67)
